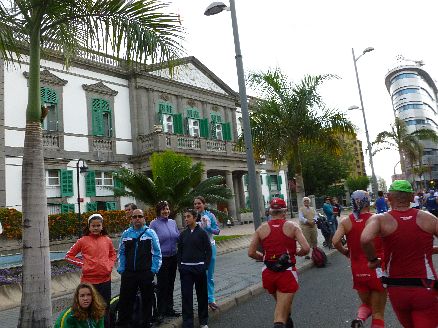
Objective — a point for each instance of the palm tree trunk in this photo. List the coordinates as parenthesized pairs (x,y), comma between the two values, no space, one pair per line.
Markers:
(36,304)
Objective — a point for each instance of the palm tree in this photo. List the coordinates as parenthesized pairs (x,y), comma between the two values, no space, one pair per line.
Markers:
(287,116)
(136,30)
(407,144)
(175,179)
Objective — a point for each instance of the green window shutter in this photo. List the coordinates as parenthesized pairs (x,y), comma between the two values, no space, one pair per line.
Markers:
(213,118)
(245,179)
(193,113)
(90,184)
(66,183)
(97,117)
(117,183)
(91,206)
(110,206)
(203,124)
(268,181)
(261,179)
(226,131)
(48,96)
(279,181)
(178,127)
(67,208)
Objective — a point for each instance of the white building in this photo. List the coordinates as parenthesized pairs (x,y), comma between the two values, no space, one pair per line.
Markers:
(111,116)
(414,99)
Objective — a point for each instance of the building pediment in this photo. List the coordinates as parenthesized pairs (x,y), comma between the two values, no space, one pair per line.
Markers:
(48,77)
(100,88)
(191,71)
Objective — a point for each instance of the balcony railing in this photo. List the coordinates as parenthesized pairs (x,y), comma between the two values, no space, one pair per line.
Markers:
(159,141)
(51,140)
(101,144)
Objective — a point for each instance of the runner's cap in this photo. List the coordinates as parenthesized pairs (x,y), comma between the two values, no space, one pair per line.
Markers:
(278,204)
(401,185)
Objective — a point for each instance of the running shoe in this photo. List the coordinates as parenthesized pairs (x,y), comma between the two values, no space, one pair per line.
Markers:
(289,323)
(357,323)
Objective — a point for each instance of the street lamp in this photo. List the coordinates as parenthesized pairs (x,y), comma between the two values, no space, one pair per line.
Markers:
(213,9)
(80,169)
(374,186)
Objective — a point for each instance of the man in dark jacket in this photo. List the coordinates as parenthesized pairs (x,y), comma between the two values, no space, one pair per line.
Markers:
(194,254)
(139,260)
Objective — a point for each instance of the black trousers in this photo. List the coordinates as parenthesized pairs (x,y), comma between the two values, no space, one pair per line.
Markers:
(130,283)
(166,283)
(194,275)
(104,289)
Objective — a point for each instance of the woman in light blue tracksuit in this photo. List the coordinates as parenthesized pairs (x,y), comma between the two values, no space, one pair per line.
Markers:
(209,223)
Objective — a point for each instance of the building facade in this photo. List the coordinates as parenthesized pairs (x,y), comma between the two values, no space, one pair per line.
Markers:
(414,98)
(106,115)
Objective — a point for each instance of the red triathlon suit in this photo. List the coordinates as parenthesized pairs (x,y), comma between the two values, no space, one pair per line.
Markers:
(274,245)
(364,279)
(408,254)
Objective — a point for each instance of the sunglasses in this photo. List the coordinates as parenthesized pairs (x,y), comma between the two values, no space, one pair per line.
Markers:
(136,216)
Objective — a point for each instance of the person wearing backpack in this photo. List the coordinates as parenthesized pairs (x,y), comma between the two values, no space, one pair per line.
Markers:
(139,260)
(279,238)
(365,280)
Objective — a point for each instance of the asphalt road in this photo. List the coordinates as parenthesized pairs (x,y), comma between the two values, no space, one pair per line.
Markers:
(325,300)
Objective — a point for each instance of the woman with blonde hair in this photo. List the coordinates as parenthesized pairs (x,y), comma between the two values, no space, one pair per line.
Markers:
(87,311)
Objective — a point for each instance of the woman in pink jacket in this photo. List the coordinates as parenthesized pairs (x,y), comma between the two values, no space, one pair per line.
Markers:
(98,258)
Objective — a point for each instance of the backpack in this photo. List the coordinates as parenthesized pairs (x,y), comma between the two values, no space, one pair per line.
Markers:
(318,257)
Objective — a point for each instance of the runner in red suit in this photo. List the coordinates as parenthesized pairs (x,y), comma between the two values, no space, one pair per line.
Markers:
(407,236)
(279,238)
(369,288)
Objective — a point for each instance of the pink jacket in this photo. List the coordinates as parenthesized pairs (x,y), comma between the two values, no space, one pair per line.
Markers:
(98,258)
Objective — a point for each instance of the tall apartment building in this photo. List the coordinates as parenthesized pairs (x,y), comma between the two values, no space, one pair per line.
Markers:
(414,99)
(112,116)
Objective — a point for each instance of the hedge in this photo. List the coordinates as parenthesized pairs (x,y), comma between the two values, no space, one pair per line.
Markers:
(65,225)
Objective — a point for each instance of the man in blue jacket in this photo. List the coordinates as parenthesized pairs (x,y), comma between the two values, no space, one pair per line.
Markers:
(139,260)
(331,219)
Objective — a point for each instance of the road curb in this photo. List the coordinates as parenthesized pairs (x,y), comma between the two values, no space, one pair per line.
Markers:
(239,297)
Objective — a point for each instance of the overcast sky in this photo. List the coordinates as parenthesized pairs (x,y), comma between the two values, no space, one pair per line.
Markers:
(316,37)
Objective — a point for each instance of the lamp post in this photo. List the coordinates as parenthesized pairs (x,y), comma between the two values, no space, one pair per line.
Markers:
(212,9)
(374,186)
(79,169)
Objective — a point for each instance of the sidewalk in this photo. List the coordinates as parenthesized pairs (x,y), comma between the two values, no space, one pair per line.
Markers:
(237,278)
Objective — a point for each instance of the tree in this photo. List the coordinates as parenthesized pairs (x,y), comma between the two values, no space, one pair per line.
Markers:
(175,179)
(136,31)
(358,183)
(286,116)
(407,144)
(321,169)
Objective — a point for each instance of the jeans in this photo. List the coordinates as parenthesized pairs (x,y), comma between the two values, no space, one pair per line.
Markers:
(210,275)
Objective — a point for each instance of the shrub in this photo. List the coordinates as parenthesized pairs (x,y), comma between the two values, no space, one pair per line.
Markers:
(65,225)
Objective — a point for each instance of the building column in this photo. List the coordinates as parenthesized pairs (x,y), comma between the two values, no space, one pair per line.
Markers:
(237,200)
(260,194)
(152,115)
(241,191)
(234,124)
(232,201)
(204,174)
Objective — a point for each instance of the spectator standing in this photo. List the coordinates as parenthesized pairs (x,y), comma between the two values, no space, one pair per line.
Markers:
(209,223)
(128,210)
(337,209)
(168,233)
(432,203)
(328,211)
(381,203)
(98,258)
(308,217)
(279,238)
(365,281)
(194,255)
(139,261)
(407,236)
(88,309)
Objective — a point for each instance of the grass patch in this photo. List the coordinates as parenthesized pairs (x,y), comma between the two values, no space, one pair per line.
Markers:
(222,238)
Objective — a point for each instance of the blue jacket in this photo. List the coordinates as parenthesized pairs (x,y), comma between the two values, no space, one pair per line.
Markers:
(328,211)
(431,204)
(139,255)
(381,205)
(211,227)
